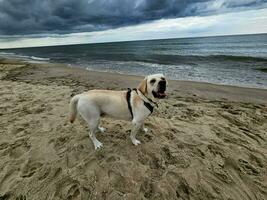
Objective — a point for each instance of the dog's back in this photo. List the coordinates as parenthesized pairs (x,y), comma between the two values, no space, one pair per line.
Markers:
(97,102)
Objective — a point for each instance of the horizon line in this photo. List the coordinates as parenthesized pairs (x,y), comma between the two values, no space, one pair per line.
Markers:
(124,41)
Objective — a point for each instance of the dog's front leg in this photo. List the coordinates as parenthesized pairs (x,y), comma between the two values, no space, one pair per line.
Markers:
(136,127)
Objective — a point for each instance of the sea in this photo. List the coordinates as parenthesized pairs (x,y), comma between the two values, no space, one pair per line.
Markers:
(229,60)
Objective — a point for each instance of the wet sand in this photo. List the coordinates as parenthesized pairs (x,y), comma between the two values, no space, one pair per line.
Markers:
(205,141)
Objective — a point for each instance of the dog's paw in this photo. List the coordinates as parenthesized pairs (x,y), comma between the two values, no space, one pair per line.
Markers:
(98,145)
(136,142)
(101,129)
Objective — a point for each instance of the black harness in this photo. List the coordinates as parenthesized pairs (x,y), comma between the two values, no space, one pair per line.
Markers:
(128,98)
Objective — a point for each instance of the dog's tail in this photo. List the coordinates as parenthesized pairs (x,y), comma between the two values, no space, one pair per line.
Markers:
(73,108)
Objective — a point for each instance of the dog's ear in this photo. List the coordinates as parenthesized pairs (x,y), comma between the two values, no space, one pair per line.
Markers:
(143,86)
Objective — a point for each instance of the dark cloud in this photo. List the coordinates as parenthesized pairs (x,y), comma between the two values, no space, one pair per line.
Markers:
(23,17)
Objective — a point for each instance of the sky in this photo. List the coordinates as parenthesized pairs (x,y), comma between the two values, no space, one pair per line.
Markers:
(25,23)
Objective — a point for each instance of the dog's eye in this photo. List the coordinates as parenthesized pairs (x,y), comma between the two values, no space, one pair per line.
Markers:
(153,81)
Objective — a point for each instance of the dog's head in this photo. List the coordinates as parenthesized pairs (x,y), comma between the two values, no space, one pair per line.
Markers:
(154,86)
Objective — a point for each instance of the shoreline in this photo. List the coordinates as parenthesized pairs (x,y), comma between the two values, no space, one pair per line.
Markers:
(185,87)
(48,62)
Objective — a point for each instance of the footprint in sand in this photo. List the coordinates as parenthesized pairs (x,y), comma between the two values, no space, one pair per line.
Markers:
(147,188)
(15,150)
(21,129)
(44,173)
(60,144)
(156,163)
(248,168)
(19,148)
(73,192)
(112,159)
(4,146)
(116,180)
(21,197)
(172,177)
(89,166)
(182,186)
(9,177)
(183,189)
(168,157)
(29,169)
(257,160)
(68,189)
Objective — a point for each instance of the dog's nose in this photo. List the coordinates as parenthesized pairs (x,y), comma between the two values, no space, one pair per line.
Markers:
(162,85)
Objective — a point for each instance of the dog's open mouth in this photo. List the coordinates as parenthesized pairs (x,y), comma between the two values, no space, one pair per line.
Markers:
(159,95)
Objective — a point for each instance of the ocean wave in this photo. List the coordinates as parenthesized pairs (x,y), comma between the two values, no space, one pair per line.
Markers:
(238,58)
(6,54)
(196,59)
(13,55)
(39,58)
(19,56)
(170,59)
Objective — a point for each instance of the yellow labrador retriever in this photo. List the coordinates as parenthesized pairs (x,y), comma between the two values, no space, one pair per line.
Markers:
(134,105)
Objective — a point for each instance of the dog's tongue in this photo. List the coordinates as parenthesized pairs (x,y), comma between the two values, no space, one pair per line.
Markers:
(162,94)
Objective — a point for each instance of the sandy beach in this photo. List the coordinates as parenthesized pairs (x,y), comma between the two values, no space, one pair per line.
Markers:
(205,141)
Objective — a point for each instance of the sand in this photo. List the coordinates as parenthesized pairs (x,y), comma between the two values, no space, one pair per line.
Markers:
(205,141)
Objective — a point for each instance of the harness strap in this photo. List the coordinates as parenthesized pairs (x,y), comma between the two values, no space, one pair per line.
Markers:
(128,98)
(149,107)
(146,104)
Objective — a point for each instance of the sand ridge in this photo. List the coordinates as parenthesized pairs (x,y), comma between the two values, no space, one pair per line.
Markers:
(196,147)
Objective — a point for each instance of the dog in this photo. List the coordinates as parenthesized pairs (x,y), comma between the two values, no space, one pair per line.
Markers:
(132,105)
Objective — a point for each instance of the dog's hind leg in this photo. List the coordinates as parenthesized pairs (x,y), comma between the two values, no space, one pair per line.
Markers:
(93,124)
(92,116)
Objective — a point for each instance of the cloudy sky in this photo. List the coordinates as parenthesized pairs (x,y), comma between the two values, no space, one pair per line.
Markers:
(26,23)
